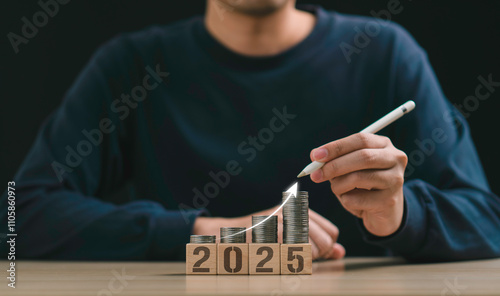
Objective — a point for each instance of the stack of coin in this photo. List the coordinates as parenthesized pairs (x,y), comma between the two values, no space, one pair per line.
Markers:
(266,232)
(227,235)
(202,239)
(296,218)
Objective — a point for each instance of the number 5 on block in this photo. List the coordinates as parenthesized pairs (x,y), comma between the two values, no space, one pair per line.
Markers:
(296,259)
(201,259)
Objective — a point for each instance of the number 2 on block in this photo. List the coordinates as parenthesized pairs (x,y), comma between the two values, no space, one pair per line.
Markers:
(260,266)
(197,264)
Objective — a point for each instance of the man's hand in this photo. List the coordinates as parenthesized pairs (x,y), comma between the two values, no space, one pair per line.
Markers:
(322,233)
(366,173)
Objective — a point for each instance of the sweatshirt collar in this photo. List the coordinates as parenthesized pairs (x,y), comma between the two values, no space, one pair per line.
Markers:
(229,58)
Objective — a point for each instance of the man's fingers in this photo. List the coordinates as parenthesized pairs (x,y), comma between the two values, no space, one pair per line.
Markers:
(366,179)
(321,239)
(372,207)
(322,234)
(348,144)
(327,249)
(314,251)
(328,226)
(358,200)
(358,160)
(338,252)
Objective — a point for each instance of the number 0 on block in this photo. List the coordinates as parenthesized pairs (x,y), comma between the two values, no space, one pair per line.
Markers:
(232,258)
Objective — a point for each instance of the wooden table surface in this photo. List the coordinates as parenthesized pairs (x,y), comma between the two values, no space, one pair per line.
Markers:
(352,276)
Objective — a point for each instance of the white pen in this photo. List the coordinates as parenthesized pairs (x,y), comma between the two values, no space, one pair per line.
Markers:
(373,128)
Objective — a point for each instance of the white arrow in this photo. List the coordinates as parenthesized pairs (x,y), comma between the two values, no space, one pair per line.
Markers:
(293,192)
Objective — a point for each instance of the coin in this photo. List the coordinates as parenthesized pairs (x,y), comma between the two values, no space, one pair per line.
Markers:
(202,239)
(296,218)
(265,232)
(228,235)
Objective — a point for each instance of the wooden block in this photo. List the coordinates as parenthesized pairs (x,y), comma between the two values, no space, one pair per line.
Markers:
(232,258)
(296,259)
(201,259)
(264,258)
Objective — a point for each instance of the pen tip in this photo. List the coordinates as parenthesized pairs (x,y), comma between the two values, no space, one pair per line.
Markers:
(302,174)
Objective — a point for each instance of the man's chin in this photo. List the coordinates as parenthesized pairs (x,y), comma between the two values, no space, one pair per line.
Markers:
(255,7)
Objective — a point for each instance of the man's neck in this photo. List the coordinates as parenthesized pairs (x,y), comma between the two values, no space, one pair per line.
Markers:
(258,35)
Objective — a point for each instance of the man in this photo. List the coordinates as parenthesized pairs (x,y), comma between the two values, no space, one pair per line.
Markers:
(190,127)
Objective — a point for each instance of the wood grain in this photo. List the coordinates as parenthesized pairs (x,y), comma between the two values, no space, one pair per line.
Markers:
(232,259)
(201,259)
(264,259)
(296,259)
(351,276)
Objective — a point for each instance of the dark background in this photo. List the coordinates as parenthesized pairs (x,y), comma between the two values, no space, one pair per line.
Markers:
(461,38)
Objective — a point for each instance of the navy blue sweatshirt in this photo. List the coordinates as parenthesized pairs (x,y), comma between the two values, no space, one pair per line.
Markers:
(166,124)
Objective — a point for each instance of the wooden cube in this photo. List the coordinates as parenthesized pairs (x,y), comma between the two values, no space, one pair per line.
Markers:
(201,259)
(232,258)
(264,258)
(296,259)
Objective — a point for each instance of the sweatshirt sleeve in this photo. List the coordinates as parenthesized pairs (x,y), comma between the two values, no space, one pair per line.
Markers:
(78,156)
(450,211)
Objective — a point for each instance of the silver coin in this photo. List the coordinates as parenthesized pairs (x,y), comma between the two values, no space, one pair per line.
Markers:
(228,235)
(265,232)
(296,218)
(202,239)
